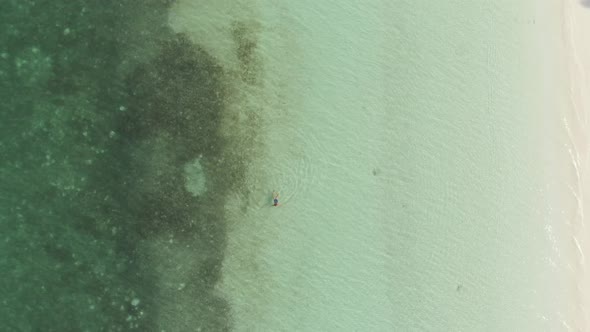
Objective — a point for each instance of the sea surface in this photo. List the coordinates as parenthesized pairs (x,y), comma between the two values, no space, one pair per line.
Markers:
(411,142)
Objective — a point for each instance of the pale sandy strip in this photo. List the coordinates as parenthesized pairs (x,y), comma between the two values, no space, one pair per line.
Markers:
(576,26)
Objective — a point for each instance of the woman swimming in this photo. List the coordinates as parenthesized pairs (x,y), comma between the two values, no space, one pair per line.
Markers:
(275,198)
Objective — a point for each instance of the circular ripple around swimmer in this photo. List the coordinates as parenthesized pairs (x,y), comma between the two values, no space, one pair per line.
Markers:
(299,169)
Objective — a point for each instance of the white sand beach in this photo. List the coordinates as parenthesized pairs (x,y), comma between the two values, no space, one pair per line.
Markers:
(576,26)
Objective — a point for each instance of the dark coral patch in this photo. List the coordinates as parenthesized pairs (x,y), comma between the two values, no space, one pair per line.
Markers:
(94,151)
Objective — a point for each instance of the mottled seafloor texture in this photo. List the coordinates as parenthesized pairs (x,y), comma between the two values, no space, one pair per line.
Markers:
(102,109)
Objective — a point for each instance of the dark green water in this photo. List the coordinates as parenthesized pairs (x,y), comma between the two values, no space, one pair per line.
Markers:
(102,106)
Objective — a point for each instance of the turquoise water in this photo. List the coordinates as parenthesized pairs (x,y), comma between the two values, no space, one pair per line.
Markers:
(141,143)
(407,156)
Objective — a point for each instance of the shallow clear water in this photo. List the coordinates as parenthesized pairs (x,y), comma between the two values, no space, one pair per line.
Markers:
(413,198)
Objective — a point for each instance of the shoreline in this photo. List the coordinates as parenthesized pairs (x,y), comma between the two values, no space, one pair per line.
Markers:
(576,21)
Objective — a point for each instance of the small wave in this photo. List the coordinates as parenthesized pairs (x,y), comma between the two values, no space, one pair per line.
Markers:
(580,251)
(299,174)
